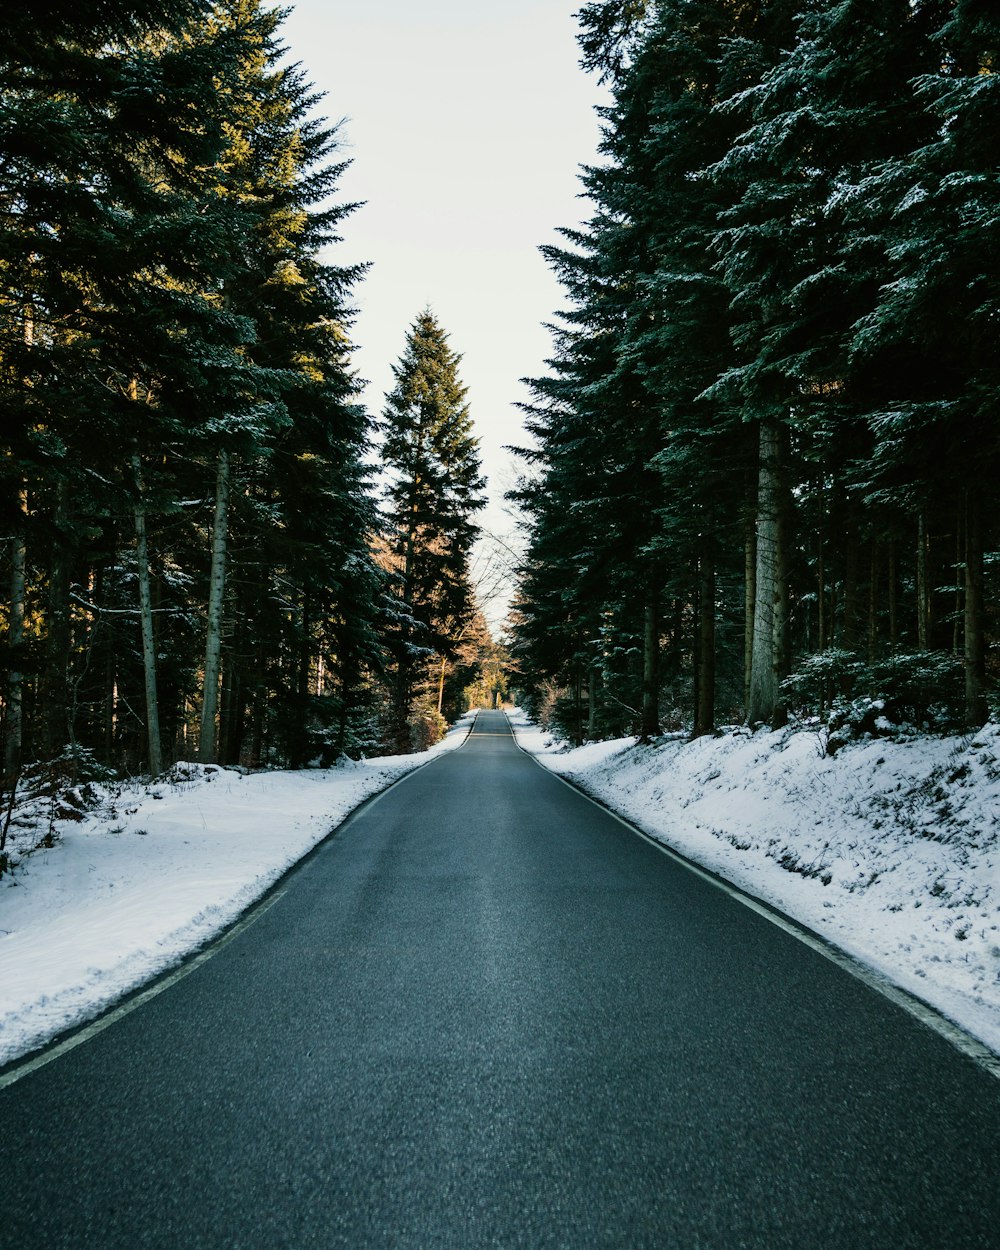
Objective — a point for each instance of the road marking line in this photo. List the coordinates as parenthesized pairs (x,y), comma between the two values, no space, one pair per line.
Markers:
(970,1046)
(132,1004)
(113,1014)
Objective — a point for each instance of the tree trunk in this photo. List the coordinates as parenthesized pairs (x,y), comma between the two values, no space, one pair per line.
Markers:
(15,641)
(231,705)
(957,616)
(56,730)
(893,598)
(650,726)
(107,711)
(820,602)
(216,595)
(822,638)
(976,710)
(923,585)
(14,746)
(84,641)
(769,660)
(441,676)
(749,598)
(593,694)
(696,647)
(851,539)
(704,720)
(146,625)
(873,578)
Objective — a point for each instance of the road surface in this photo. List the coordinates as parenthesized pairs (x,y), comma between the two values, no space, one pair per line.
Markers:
(485,1014)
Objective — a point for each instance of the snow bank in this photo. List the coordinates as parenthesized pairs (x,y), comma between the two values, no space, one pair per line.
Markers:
(890,850)
(153,873)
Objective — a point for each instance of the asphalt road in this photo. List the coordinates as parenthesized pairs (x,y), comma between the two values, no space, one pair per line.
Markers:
(487,1015)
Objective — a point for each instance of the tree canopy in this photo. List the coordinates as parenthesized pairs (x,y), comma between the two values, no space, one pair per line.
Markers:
(773,388)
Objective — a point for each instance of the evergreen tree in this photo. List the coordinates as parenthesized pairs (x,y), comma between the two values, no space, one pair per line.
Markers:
(622,434)
(434,489)
(183,429)
(561,587)
(299,603)
(931,336)
(793,194)
(680,342)
(102,188)
(827,109)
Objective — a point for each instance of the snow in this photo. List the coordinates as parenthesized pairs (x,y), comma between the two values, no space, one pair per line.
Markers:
(152,873)
(890,850)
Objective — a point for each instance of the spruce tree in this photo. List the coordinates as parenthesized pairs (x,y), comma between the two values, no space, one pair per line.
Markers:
(292,584)
(931,335)
(620,429)
(107,115)
(822,109)
(794,193)
(562,585)
(433,491)
(678,333)
(173,330)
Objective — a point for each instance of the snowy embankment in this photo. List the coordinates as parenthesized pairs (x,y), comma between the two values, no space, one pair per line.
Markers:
(889,850)
(152,873)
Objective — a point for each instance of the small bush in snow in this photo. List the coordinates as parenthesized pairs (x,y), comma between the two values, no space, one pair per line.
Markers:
(60,789)
(920,690)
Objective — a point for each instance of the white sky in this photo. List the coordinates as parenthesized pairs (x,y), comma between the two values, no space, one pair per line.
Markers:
(467,123)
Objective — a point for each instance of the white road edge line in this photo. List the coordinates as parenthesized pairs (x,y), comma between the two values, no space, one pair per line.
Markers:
(133,1004)
(114,1014)
(970,1046)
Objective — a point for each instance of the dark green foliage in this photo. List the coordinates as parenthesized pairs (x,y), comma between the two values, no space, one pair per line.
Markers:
(434,489)
(921,690)
(785,310)
(164,311)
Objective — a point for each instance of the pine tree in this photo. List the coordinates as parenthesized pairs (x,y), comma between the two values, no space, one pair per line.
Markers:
(562,586)
(104,146)
(622,437)
(822,112)
(935,448)
(172,333)
(794,193)
(434,489)
(681,343)
(301,614)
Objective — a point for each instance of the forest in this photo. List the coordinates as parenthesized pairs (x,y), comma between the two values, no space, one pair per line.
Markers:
(760,474)
(762,481)
(199,560)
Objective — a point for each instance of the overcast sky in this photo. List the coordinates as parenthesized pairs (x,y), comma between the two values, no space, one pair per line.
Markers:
(467,123)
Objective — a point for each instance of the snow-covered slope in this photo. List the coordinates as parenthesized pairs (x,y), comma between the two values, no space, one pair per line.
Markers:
(890,850)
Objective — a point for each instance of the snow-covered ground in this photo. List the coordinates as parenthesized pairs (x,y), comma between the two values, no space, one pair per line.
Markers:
(889,849)
(152,873)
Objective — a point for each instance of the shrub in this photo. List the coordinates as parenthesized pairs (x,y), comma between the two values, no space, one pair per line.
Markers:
(918,690)
(427,726)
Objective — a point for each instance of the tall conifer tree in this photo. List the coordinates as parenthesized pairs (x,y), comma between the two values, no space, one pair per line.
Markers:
(931,337)
(435,487)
